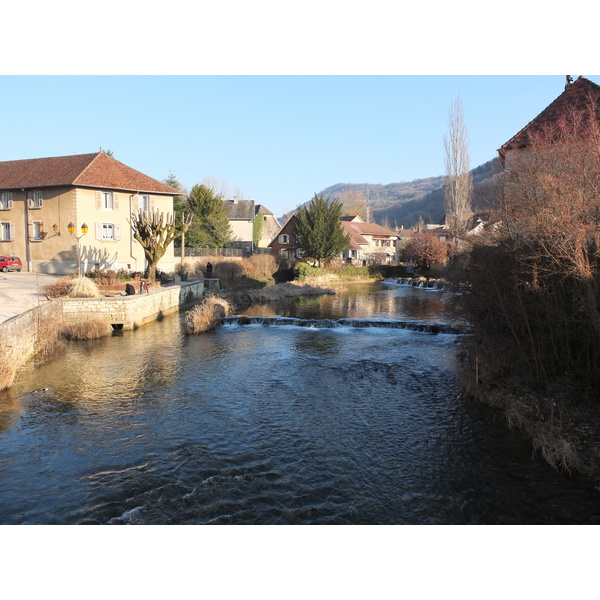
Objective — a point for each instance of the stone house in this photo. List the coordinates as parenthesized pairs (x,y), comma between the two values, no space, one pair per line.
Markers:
(285,244)
(270,226)
(41,197)
(576,97)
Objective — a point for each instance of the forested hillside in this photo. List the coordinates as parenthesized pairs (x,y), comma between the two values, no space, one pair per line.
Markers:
(401,204)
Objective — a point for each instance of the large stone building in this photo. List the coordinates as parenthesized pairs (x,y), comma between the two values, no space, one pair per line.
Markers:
(40,197)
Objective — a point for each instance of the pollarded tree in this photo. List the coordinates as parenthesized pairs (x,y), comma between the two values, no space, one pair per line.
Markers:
(320,233)
(155,233)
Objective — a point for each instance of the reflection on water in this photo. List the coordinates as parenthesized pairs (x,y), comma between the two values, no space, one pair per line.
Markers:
(361,300)
(255,424)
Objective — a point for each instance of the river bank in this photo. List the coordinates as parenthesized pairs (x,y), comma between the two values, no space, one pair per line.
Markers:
(561,422)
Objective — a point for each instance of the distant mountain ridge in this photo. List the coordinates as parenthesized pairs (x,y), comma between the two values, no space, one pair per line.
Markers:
(401,204)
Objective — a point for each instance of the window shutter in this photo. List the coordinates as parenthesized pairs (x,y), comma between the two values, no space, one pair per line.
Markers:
(116,200)
(151,203)
(9,204)
(41,202)
(98,230)
(98,202)
(135,205)
(30,199)
(12,231)
(117,231)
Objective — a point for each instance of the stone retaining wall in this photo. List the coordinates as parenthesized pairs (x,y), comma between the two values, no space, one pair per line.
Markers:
(131,312)
(23,335)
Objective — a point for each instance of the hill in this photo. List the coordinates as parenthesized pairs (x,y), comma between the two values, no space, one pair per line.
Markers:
(401,204)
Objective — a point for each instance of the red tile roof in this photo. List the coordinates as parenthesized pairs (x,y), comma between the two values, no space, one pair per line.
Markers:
(96,170)
(577,95)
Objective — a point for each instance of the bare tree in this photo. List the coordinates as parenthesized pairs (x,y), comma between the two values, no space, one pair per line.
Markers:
(155,233)
(354,203)
(458,188)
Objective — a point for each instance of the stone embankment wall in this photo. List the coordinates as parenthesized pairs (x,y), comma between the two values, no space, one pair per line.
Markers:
(131,312)
(23,335)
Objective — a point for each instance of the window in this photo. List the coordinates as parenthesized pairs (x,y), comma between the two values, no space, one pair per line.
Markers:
(37,228)
(35,199)
(7,232)
(144,202)
(108,232)
(6,201)
(284,253)
(108,202)
(284,239)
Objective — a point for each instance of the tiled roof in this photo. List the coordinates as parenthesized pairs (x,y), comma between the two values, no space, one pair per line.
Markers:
(575,96)
(240,209)
(97,170)
(263,210)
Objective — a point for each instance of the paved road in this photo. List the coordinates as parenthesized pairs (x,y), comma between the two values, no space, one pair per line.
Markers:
(22,291)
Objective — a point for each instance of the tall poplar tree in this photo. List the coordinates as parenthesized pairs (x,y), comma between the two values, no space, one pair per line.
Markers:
(319,231)
(458,187)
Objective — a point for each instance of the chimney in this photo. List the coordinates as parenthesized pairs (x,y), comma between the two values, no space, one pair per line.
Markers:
(569,82)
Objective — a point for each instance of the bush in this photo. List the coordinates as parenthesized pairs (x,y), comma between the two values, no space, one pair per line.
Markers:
(206,315)
(60,288)
(303,270)
(261,267)
(109,277)
(92,329)
(82,287)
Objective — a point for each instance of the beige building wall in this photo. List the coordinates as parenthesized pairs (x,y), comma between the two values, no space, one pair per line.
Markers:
(241,231)
(108,244)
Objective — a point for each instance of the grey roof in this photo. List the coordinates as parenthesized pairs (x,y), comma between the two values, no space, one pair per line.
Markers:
(240,209)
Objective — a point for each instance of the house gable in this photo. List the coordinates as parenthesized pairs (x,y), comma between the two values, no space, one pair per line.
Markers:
(575,97)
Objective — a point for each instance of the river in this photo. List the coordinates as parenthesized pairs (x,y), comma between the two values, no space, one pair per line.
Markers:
(278,424)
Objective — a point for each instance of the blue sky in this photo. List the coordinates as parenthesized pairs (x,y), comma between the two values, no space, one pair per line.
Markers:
(278,139)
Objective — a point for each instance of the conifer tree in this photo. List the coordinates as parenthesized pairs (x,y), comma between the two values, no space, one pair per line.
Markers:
(319,231)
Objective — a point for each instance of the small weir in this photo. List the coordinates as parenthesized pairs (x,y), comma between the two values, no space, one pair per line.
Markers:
(433,328)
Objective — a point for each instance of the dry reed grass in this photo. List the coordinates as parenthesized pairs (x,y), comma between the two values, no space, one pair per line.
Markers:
(92,329)
(206,315)
(83,287)
(8,367)
(60,288)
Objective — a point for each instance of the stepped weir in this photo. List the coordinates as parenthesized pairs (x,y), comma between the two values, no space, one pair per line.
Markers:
(432,328)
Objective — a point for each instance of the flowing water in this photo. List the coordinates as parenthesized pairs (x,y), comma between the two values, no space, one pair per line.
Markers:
(260,424)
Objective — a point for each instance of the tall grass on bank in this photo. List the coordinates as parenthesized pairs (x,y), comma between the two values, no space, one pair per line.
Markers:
(82,287)
(206,316)
(9,365)
(90,329)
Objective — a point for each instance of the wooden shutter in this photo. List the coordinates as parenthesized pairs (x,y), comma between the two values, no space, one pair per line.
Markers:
(12,231)
(151,203)
(135,205)
(116,200)
(98,202)
(98,231)
(30,199)
(117,231)
(9,205)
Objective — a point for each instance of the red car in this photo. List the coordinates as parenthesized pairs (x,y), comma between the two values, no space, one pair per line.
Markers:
(10,263)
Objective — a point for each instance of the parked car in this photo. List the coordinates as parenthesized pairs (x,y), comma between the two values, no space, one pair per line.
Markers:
(10,263)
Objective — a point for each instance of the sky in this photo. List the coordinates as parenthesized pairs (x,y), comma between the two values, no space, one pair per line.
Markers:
(276,139)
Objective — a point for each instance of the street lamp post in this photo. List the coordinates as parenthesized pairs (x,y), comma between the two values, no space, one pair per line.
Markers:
(84,230)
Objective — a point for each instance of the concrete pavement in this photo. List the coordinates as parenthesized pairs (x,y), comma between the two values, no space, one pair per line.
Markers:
(21,291)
